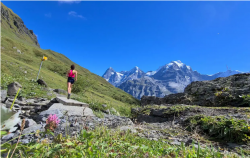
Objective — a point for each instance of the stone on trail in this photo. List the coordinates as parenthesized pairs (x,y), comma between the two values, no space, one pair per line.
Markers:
(72,110)
(71,102)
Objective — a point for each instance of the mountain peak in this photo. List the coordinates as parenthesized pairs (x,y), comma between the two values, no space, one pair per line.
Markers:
(179,63)
(110,68)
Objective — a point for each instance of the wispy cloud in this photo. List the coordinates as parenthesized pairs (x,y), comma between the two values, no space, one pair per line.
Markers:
(69,1)
(48,15)
(73,13)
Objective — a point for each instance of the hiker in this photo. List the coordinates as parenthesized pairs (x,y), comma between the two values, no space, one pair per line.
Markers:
(72,77)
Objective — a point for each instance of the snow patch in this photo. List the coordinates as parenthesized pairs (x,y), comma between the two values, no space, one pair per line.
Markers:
(150,73)
(179,63)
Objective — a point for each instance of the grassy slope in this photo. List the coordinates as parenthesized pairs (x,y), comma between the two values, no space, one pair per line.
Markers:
(54,69)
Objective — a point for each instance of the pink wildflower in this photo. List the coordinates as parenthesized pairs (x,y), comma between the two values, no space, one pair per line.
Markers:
(52,122)
(53,118)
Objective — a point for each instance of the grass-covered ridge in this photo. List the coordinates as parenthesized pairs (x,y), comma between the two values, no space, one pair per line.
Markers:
(26,64)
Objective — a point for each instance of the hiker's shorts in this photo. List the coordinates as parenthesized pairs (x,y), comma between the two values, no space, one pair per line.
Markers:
(71,80)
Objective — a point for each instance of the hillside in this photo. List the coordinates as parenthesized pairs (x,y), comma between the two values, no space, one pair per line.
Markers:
(21,56)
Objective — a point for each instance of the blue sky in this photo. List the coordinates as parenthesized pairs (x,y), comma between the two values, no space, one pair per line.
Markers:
(97,35)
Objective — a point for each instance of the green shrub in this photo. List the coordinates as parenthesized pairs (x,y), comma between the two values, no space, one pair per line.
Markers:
(82,85)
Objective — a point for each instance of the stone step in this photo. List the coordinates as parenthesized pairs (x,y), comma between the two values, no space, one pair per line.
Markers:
(71,102)
(72,110)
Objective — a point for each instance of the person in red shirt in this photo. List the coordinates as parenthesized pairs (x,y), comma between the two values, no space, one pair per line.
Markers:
(72,77)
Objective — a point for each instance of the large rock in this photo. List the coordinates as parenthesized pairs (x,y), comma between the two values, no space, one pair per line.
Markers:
(13,88)
(42,82)
(44,115)
(223,91)
(72,110)
(72,102)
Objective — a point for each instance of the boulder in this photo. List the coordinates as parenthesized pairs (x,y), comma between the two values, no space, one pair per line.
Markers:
(72,110)
(42,82)
(44,114)
(13,88)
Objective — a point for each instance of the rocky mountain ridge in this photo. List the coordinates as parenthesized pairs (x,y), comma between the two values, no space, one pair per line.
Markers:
(224,91)
(16,25)
(167,79)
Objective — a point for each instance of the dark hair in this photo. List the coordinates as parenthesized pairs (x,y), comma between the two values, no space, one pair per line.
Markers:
(72,67)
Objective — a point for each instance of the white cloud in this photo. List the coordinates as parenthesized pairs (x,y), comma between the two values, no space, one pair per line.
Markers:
(69,1)
(48,15)
(73,13)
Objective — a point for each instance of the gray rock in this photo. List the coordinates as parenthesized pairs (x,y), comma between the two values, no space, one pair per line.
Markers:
(14,47)
(60,91)
(13,88)
(32,129)
(66,101)
(8,137)
(28,123)
(42,82)
(72,110)
(3,95)
(42,117)
(25,141)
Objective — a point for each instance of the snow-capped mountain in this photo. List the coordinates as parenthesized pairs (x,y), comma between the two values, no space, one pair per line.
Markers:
(116,78)
(170,78)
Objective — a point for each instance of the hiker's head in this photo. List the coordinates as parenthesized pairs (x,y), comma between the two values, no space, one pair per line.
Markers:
(72,67)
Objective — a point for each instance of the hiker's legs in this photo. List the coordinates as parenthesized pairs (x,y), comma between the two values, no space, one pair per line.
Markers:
(69,87)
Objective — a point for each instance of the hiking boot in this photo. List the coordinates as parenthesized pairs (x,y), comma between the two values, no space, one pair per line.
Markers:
(68,96)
